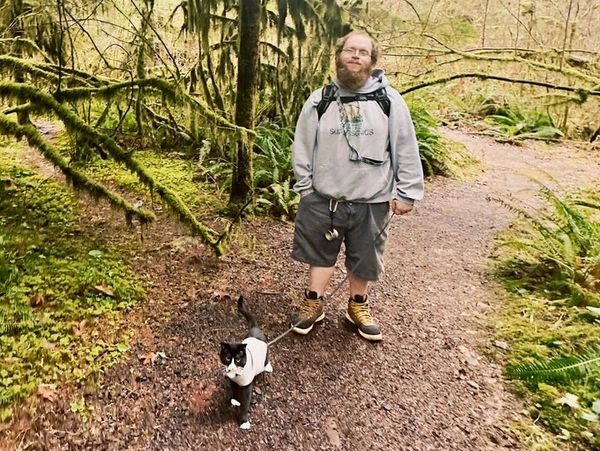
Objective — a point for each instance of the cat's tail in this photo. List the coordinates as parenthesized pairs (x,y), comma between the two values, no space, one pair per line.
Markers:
(245,313)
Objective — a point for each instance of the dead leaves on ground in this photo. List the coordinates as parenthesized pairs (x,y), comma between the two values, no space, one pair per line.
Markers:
(201,396)
(47,392)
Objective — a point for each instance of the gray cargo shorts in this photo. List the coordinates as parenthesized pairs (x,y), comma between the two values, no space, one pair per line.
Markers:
(358,225)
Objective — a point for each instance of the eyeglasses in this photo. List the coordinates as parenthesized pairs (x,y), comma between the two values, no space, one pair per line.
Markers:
(353,51)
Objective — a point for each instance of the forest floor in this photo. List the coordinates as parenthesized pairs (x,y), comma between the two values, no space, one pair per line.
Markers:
(434,383)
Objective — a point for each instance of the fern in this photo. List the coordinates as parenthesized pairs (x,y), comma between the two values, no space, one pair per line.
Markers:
(561,247)
(563,369)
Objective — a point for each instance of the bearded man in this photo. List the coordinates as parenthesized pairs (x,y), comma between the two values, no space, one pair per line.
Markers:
(356,161)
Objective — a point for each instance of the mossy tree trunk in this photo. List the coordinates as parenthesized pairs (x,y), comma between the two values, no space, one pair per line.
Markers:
(250,11)
(17,10)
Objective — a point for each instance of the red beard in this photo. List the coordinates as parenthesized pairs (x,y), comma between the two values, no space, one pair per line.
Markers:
(352,78)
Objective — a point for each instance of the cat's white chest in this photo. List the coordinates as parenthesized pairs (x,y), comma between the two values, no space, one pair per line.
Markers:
(256,354)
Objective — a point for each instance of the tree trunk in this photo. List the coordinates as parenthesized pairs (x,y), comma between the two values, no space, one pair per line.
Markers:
(241,185)
(485,17)
(16,20)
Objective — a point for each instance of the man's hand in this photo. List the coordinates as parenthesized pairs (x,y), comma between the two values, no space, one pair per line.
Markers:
(399,207)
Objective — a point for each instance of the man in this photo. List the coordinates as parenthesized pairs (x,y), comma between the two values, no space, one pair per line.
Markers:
(354,162)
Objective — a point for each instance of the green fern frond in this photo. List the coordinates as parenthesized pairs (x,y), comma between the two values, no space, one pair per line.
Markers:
(562,369)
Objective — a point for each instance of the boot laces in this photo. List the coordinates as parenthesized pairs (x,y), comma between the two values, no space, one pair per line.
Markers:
(309,308)
(361,310)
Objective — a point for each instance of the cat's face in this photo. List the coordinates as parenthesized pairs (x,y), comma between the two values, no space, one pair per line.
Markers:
(233,356)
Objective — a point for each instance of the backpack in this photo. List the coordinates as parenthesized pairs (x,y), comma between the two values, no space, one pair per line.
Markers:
(328,95)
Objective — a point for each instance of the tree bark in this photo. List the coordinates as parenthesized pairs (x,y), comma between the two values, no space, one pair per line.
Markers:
(241,185)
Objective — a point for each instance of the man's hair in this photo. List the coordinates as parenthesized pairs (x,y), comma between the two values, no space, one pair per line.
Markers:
(341,42)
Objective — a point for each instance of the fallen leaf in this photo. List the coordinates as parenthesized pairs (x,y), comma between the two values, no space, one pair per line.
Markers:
(148,358)
(569,399)
(596,406)
(332,433)
(47,392)
(589,416)
(107,291)
(49,346)
(501,344)
(203,394)
(37,299)
(78,328)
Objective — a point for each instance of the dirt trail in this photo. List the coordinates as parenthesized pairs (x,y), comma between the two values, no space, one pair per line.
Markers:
(428,386)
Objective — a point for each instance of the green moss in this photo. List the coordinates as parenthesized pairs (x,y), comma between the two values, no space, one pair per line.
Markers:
(540,326)
(62,298)
(176,174)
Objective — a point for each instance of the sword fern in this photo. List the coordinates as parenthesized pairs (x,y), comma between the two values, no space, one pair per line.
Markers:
(562,369)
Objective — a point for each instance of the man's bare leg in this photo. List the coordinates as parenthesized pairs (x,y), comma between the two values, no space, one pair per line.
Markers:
(357,285)
(318,278)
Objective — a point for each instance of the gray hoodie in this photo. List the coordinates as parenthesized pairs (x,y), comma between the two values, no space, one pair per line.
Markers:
(321,154)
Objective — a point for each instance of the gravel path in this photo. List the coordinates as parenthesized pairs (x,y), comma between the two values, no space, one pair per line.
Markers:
(427,386)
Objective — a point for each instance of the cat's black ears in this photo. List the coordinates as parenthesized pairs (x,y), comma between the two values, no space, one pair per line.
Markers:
(224,345)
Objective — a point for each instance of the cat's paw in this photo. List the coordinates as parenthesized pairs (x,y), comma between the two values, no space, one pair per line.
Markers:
(245,425)
(235,402)
(268,368)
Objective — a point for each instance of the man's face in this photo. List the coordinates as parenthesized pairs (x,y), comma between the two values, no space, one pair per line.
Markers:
(353,64)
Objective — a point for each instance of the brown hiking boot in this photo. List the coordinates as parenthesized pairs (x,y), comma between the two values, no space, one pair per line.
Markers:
(309,312)
(358,314)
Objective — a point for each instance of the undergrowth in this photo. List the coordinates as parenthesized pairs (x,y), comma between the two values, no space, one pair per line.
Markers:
(173,170)
(62,295)
(550,263)
(438,155)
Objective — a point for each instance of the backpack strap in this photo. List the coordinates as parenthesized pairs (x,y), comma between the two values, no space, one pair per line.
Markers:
(383,100)
(327,95)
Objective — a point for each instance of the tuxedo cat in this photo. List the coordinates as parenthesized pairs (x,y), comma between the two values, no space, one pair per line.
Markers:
(244,360)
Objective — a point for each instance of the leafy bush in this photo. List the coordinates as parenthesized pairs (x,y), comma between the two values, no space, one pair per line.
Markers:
(558,250)
(517,123)
(433,153)
(273,159)
(273,171)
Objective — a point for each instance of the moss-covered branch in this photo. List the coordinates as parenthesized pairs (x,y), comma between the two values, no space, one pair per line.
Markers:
(582,92)
(160,85)
(76,178)
(47,71)
(18,108)
(23,42)
(12,63)
(535,64)
(96,87)
(86,133)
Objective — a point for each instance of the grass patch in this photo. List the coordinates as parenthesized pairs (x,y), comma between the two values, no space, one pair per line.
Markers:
(63,296)
(176,173)
(548,263)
